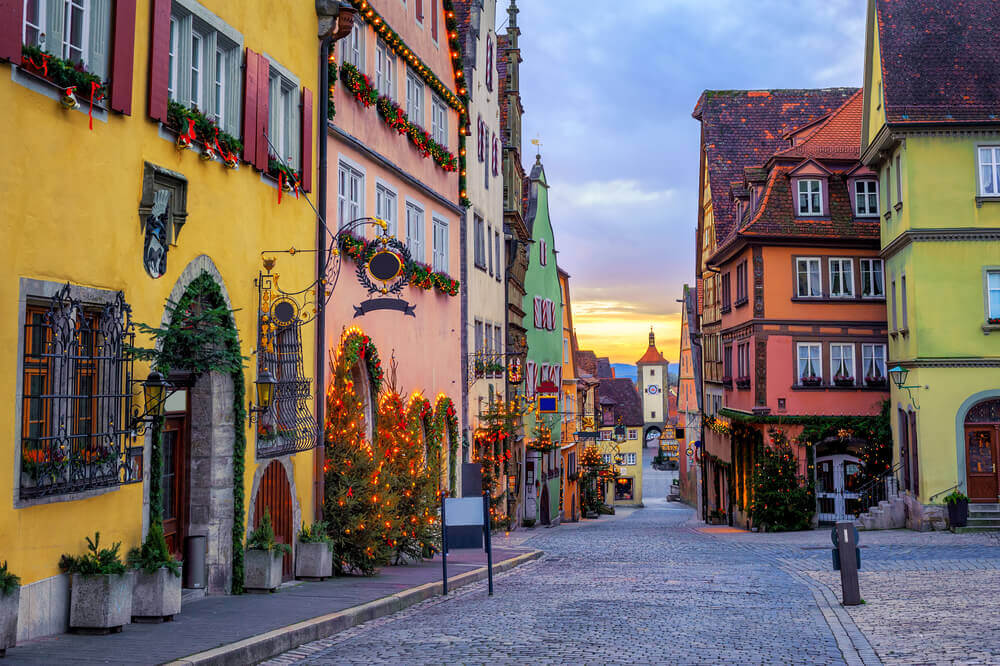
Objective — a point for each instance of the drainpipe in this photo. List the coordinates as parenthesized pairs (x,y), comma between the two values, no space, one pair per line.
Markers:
(336,19)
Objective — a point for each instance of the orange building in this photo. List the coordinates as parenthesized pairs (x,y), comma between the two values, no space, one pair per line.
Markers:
(801,294)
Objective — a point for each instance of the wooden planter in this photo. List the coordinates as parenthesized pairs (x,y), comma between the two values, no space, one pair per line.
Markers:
(262,570)
(101,603)
(313,561)
(156,597)
(8,620)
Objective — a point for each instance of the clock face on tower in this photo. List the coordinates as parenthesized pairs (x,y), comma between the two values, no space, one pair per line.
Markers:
(652,390)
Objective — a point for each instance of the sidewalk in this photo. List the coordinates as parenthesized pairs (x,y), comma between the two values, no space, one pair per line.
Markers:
(252,627)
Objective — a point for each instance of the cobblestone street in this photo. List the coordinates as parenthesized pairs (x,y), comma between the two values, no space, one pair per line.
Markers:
(653,585)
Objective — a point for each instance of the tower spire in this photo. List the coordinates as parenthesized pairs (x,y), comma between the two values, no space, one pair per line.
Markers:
(652,338)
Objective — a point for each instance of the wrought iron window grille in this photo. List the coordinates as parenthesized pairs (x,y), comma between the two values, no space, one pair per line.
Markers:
(287,426)
(77,394)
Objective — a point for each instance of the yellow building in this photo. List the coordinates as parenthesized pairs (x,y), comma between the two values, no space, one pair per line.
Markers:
(113,208)
(620,440)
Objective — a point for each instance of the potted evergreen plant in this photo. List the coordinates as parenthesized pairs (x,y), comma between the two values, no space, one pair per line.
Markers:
(156,595)
(314,554)
(10,592)
(101,590)
(958,508)
(262,568)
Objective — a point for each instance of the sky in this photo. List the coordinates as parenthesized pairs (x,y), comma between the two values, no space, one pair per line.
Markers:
(608,90)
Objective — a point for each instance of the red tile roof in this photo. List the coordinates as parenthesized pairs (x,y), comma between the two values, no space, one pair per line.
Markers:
(652,355)
(837,137)
(743,128)
(940,59)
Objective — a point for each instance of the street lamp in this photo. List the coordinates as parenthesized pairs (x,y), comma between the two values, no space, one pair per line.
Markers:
(154,394)
(264,387)
(898,375)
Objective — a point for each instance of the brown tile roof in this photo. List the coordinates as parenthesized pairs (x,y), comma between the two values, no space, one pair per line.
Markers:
(624,399)
(604,369)
(940,59)
(742,128)
(838,137)
(586,361)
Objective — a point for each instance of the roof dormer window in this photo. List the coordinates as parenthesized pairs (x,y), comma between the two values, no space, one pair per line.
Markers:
(810,201)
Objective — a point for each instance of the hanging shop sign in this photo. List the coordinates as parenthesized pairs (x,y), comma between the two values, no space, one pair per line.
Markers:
(548,403)
(383,270)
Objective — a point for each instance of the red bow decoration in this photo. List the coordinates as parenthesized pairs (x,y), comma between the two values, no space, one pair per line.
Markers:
(94,85)
(188,137)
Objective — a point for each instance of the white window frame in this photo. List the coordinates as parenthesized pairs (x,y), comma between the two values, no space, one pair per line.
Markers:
(816,363)
(479,231)
(496,251)
(810,274)
(439,121)
(38,28)
(67,47)
(842,267)
(52,31)
(809,193)
(284,130)
(873,267)
(865,195)
(844,351)
(385,65)
(196,73)
(387,205)
(992,287)
(415,230)
(869,357)
(633,433)
(988,157)
(414,98)
(189,19)
(350,180)
(354,46)
(543,254)
(439,250)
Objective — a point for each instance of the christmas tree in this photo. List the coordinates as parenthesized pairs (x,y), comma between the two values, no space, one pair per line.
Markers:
(782,500)
(353,499)
(493,451)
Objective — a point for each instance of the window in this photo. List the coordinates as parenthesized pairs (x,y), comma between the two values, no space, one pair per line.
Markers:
(888,187)
(565,350)
(652,415)
(440,247)
(415,231)
(489,247)
(439,121)
(872,279)
(480,242)
(741,283)
(75,409)
(606,436)
(866,198)
(810,198)
(629,458)
(632,434)
(743,360)
(354,46)
(284,120)
(478,329)
(902,299)
(841,278)
(385,64)
(895,321)
(808,282)
(543,252)
(205,69)
(993,294)
(726,304)
(899,181)
(34,23)
(350,195)
(989,171)
(496,252)
(842,362)
(77,30)
(873,362)
(727,363)
(498,342)
(414,98)
(385,207)
(808,361)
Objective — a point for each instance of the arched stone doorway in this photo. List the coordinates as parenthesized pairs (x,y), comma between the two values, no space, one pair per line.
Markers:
(274,493)
(982,441)
(652,437)
(543,514)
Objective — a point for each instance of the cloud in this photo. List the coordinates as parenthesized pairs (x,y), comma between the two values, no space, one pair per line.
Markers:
(624,337)
(609,193)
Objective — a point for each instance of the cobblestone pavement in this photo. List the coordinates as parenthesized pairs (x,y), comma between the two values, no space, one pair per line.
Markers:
(653,586)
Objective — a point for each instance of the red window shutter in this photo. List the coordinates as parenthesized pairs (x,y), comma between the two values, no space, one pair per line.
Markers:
(250,108)
(159,59)
(263,97)
(307,139)
(420,10)
(123,56)
(434,20)
(11,27)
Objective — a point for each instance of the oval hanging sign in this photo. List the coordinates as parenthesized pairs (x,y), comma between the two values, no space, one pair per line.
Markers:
(385,265)
(284,312)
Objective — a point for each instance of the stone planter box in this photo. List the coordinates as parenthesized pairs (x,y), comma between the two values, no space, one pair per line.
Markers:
(313,561)
(262,570)
(958,513)
(156,597)
(8,620)
(100,604)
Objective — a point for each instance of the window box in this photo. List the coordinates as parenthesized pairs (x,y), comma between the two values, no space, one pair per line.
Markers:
(727,381)
(812,380)
(843,380)
(215,143)
(63,74)
(742,382)
(741,301)
(876,382)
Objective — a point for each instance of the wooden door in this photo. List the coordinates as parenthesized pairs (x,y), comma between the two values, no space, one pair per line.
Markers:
(981,462)
(173,481)
(275,494)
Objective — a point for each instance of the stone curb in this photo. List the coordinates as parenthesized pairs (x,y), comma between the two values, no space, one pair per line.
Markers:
(270,644)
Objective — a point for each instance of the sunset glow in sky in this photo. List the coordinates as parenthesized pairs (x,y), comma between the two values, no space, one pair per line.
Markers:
(620,147)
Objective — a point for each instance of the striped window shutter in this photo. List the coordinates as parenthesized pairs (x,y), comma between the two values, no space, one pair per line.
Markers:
(538,312)
(159,60)
(263,99)
(530,378)
(307,139)
(123,55)
(489,62)
(11,27)
(250,108)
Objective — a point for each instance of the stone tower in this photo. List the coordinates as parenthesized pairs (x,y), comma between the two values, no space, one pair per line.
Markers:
(653,386)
